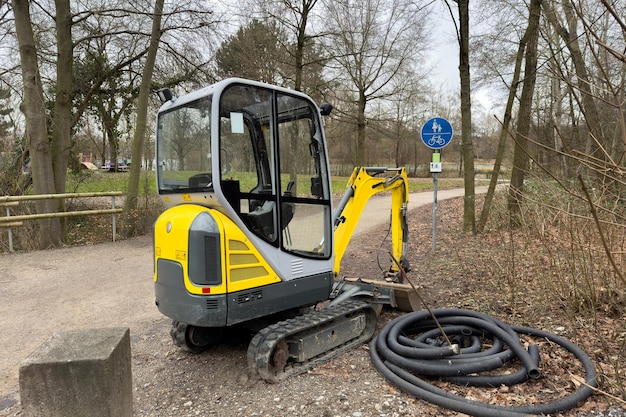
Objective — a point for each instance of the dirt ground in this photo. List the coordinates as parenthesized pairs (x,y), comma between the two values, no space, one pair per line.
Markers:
(110,285)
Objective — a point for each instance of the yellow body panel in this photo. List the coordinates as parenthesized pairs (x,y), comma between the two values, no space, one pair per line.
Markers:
(246,267)
(243,267)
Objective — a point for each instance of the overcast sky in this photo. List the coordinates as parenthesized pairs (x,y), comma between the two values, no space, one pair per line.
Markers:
(444,57)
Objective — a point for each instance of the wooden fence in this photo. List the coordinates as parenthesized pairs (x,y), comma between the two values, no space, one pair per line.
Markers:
(9,221)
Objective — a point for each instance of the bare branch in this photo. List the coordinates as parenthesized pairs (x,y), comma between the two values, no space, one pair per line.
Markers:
(607,250)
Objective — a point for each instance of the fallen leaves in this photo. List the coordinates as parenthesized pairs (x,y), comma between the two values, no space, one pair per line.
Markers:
(506,274)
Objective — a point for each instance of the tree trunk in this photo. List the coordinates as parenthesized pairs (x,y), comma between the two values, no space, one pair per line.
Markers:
(301,39)
(467,146)
(142,108)
(484,214)
(62,126)
(520,155)
(34,111)
(398,135)
(360,131)
(62,119)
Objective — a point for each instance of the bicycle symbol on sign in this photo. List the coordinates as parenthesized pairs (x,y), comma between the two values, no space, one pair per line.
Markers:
(436,140)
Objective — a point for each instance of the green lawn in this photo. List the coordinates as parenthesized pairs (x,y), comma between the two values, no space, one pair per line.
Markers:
(118,181)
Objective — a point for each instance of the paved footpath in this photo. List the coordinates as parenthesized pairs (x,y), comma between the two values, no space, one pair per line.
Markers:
(380,204)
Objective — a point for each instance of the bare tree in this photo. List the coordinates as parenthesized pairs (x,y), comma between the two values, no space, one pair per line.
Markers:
(34,110)
(520,155)
(603,32)
(48,68)
(371,43)
(513,86)
(62,116)
(142,107)
(303,61)
(467,146)
(568,31)
(113,41)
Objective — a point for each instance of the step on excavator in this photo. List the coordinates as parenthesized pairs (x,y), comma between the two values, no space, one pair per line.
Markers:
(249,238)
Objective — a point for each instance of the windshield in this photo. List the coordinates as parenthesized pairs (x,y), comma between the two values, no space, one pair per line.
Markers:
(184,148)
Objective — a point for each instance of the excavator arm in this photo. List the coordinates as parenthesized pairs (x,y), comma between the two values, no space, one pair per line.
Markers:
(364,183)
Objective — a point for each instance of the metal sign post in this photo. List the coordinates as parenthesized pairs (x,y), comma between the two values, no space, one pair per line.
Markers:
(435,169)
(436,134)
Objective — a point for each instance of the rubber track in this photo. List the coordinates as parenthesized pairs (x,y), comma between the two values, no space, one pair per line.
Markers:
(264,342)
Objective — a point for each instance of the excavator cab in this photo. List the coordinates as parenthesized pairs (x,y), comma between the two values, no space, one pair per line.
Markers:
(242,168)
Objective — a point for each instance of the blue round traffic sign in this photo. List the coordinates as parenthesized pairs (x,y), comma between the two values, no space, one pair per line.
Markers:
(437,133)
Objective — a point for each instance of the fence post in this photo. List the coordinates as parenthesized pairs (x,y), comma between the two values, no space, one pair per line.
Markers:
(113,223)
(10,230)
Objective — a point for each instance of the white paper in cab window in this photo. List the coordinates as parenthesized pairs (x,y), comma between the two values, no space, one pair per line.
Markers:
(236,122)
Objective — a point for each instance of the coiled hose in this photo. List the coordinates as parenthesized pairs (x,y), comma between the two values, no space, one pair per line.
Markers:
(399,358)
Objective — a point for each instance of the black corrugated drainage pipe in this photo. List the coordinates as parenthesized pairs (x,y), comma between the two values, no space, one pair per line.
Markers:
(401,358)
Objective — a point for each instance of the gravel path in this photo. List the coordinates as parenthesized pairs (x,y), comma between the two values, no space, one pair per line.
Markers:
(110,285)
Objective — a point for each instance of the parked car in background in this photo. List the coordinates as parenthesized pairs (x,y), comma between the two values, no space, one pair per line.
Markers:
(123,165)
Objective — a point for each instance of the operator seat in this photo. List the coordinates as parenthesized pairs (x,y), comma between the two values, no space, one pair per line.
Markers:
(262,217)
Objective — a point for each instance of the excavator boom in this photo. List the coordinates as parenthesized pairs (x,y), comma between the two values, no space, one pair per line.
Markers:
(364,183)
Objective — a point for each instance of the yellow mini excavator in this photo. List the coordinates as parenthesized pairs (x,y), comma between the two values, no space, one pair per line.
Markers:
(249,239)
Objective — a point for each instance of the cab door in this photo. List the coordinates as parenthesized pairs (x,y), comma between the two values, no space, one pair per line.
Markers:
(274,171)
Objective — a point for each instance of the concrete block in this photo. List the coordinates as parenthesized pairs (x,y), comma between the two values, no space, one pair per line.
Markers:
(82,373)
